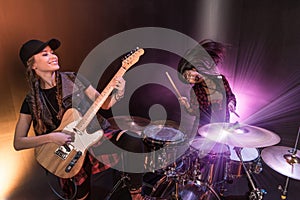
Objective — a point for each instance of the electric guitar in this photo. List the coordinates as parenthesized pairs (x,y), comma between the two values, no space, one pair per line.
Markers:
(66,161)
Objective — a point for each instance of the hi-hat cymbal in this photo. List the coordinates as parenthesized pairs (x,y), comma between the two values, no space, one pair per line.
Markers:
(239,135)
(282,160)
(132,123)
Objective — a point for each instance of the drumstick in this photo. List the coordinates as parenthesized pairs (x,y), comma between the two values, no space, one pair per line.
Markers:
(235,113)
(174,86)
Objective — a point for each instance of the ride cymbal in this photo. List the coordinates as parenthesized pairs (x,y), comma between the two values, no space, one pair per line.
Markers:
(283,160)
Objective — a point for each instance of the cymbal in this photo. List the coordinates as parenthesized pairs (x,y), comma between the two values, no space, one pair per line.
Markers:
(239,135)
(132,123)
(280,159)
(166,123)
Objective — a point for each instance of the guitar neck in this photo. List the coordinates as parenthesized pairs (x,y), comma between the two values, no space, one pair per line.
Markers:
(131,59)
(91,112)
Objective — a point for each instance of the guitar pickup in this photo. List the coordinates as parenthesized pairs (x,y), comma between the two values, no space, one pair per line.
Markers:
(73,161)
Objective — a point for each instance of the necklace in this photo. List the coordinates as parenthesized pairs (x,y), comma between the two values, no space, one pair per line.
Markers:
(52,91)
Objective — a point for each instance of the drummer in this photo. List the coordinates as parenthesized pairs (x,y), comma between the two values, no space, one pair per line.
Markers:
(211,97)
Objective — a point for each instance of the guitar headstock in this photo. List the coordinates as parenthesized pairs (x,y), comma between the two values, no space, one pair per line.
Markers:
(132,58)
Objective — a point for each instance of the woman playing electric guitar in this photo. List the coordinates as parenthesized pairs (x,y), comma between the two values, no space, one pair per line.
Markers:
(50,102)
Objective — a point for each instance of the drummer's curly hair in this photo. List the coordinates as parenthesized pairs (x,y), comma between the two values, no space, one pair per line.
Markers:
(204,57)
(216,50)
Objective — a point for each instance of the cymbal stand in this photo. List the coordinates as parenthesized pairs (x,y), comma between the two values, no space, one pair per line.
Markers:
(176,195)
(124,180)
(284,190)
(291,159)
(255,194)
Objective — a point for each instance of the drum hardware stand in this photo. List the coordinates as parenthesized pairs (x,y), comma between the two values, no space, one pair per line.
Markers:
(284,190)
(290,159)
(208,184)
(176,195)
(255,194)
(212,190)
(227,179)
(197,179)
(171,173)
(258,167)
(124,180)
(196,173)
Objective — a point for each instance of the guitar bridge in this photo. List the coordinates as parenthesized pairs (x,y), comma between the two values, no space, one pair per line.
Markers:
(64,151)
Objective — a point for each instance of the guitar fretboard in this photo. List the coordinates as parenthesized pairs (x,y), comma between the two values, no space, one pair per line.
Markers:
(92,111)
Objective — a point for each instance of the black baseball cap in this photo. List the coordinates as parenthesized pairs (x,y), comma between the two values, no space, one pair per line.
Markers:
(33,47)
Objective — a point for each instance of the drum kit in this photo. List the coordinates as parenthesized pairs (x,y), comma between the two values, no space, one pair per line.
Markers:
(221,152)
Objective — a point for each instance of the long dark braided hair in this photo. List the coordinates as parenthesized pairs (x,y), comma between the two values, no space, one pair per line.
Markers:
(35,98)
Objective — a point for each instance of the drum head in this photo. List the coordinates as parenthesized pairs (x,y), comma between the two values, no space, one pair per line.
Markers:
(248,154)
(205,146)
(163,135)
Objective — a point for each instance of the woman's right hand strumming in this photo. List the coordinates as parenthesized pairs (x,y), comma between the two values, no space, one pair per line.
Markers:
(61,138)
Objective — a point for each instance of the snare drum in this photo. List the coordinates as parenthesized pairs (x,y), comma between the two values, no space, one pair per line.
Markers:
(209,160)
(164,146)
(251,159)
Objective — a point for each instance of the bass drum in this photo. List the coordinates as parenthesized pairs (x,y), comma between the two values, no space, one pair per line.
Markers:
(165,189)
(194,191)
(156,186)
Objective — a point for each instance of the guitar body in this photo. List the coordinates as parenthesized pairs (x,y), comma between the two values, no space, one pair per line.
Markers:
(66,161)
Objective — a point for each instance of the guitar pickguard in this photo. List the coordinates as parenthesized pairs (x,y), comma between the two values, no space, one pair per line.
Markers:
(64,151)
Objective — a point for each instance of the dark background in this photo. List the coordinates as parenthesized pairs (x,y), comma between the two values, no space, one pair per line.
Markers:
(262,65)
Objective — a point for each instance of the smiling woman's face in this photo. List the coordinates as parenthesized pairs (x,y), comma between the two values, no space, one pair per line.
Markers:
(45,61)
